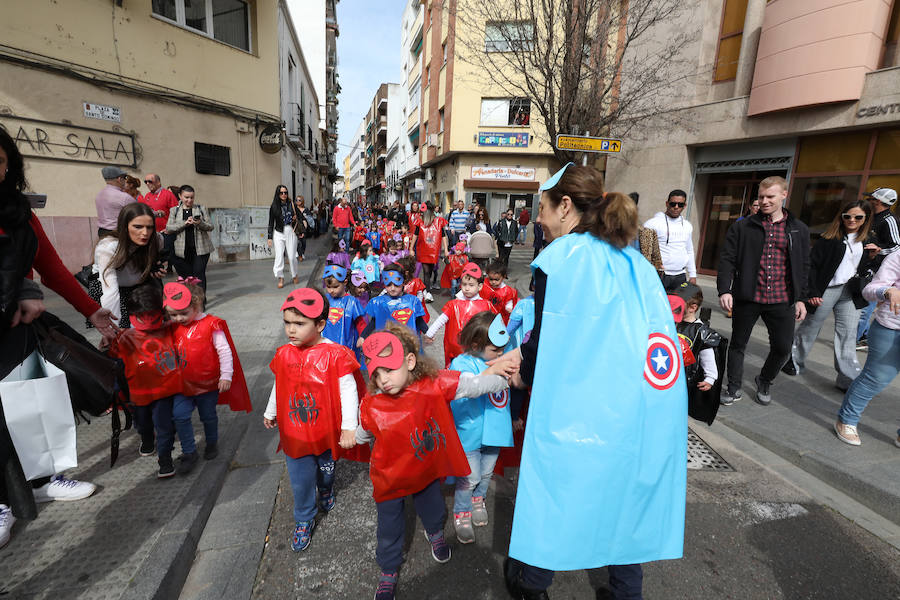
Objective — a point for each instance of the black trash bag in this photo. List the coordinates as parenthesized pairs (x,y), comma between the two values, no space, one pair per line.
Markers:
(90,374)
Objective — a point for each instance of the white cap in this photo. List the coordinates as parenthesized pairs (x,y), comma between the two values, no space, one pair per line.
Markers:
(884,195)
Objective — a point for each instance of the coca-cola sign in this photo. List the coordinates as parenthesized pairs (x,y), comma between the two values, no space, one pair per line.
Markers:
(271,139)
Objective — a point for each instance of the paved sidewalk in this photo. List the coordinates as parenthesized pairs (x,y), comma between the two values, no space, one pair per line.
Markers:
(136,536)
(798,425)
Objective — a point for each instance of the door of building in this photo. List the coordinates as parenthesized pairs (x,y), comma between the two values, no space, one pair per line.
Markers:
(730,196)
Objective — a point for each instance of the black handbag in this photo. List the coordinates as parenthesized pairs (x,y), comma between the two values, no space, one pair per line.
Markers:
(86,275)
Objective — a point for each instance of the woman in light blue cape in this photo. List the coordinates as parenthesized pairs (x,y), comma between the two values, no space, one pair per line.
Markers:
(603,475)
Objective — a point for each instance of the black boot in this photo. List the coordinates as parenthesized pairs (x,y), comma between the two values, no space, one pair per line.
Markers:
(513,578)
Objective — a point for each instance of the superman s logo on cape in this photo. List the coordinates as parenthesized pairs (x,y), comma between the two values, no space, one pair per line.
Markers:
(335,314)
(402,315)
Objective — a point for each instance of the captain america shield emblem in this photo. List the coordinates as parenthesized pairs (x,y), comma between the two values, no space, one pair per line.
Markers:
(663,363)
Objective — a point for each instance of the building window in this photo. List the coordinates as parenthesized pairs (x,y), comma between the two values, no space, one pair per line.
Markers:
(444,52)
(227,21)
(509,36)
(505,112)
(890,57)
(731,33)
(210,159)
(441,117)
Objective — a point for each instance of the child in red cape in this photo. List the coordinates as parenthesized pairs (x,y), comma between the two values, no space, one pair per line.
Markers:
(314,404)
(212,373)
(153,369)
(458,311)
(500,295)
(453,271)
(408,417)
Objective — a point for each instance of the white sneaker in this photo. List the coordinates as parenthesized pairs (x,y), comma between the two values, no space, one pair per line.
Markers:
(64,489)
(6,522)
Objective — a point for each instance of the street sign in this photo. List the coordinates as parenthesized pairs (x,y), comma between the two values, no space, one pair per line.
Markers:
(582,143)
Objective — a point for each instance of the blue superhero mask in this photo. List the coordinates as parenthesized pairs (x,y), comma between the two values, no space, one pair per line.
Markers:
(551,183)
(336,271)
(497,333)
(389,277)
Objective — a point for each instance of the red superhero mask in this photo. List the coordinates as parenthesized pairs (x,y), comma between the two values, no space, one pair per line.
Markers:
(147,321)
(677,304)
(374,349)
(176,296)
(472,270)
(307,301)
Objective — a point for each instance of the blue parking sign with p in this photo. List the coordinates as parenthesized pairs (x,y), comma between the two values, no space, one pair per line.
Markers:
(604,145)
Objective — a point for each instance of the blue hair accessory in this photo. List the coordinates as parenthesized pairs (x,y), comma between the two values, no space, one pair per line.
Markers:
(497,333)
(551,183)
(389,277)
(336,271)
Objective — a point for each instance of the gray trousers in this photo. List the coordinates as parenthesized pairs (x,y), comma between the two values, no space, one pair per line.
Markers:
(836,299)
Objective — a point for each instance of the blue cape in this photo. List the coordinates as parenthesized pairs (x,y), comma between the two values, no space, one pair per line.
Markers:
(481,421)
(521,321)
(604,463)
(339,326)
(383,307)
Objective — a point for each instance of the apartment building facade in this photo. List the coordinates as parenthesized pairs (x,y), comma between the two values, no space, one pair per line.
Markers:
(475,145)
(406,154)
(805,89)
(187,90)
(355,178)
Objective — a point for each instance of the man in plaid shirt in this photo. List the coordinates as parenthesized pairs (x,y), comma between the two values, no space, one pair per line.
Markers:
(762,273)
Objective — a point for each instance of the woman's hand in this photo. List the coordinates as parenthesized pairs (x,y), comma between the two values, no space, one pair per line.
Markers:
(704,386)
(269,243)
(103,321)
(502,366)
(28,311)
(815,301)
(161,271)
(514,356)
(892,298)
(269,423)
(348,438)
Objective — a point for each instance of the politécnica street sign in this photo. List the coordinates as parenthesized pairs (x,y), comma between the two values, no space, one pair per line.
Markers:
(581,143)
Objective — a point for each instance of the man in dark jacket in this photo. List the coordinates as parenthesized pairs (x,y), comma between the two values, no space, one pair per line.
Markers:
(763,273)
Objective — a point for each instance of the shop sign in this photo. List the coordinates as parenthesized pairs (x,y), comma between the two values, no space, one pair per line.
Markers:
(508,173)
(102,112)
(583,143)
(503,139)
(878,110)
(271,140)
(59,141)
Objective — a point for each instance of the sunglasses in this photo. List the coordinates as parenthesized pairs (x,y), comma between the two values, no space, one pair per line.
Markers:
(848,217)
(148,182)
(677,204)
(282,193)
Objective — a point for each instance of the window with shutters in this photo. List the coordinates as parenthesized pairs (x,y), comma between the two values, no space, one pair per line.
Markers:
(731,33)
(210,159)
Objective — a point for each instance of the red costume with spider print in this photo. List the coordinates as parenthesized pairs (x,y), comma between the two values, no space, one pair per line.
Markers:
(415,437)
(499,297)
(308,398)
(152,364)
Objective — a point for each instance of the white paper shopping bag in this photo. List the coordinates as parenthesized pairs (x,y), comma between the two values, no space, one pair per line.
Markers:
(39,417)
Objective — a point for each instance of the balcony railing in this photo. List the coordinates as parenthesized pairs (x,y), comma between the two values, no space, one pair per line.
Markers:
(296,126)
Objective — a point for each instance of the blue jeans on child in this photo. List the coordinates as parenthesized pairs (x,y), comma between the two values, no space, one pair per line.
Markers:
(392,525)
(625,581)
(157,415)
(481,462)
(882,366)
(183,408)
(307,474)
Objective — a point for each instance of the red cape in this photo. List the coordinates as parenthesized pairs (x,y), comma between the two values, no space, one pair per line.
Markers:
(201,373)
(428,244)
(153,365)
(499,297)
(459,312)
(308,399)
(453,270)
(415,437)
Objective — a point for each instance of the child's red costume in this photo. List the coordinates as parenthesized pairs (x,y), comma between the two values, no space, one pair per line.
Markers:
(413,287)
(201,373)
(498,297)
(308,398)
(459,312)
(359,234)
(428,244)
(153,366)
(415,437)
(453,270)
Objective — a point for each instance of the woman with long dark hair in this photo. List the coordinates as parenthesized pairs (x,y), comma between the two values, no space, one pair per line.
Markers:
(837,264)
(128,258)
(282,238)
(23,246)
(481,221)
(190,224)
(603,478)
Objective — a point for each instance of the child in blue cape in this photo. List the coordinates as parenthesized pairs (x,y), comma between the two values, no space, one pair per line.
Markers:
(367,262)
(484,424)
(394,305)
(345,311)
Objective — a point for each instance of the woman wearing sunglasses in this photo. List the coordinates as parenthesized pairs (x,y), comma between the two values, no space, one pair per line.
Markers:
(837,274)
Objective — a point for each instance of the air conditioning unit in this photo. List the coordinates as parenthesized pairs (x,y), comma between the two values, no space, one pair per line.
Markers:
(432,139)
(429,174)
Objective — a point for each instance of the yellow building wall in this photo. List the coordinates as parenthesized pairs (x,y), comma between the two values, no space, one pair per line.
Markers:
(130,42)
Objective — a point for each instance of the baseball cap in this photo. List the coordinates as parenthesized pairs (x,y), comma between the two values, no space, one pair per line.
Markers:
(114,172)
(685,291)
(885,195)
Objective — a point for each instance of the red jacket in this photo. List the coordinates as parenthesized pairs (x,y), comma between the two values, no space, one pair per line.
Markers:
(342,217)
(162,200)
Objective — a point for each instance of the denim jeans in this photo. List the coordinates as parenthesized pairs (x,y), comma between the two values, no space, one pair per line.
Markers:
(183,408)
(523,232)
(865,319)
(157,415)
(837,299)
(307,474)
(882,366)
(475,484)
(392,524)
(344,234)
